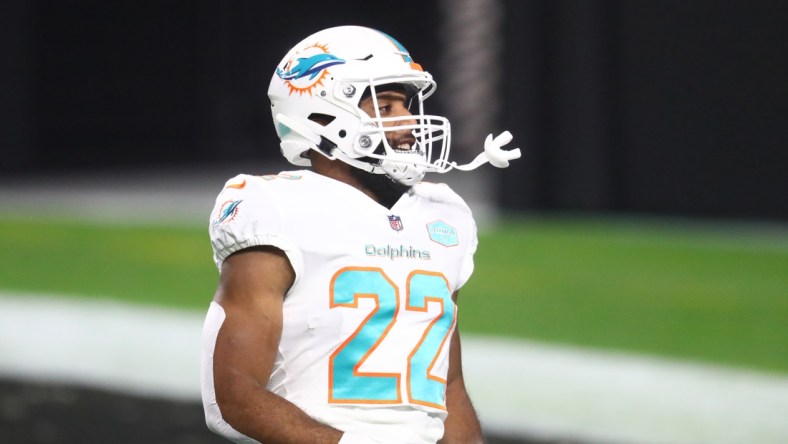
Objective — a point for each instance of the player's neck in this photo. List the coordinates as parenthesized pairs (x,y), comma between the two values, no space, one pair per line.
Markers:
(377,187)
(340,171)
(386,191)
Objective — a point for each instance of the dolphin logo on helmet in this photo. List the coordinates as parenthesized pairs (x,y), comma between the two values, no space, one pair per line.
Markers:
(309,66)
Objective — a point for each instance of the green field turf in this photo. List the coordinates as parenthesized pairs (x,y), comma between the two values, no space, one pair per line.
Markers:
(703,292)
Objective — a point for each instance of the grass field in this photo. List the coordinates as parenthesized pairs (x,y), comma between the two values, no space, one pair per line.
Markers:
(701,291)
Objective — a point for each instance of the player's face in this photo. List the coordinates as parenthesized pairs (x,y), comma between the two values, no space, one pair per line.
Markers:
(392,103)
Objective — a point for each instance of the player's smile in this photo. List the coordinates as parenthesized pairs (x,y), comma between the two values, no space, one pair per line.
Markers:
(404,143)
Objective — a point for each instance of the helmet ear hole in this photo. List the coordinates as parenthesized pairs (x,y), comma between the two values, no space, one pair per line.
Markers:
(321,119)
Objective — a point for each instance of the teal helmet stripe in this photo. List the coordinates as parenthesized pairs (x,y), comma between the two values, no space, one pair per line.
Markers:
(405,53)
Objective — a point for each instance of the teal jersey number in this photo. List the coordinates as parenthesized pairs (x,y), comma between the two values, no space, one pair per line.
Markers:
(422,289)
(347,384)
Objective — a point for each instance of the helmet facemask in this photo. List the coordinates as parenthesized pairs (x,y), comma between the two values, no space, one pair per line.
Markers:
(402,146)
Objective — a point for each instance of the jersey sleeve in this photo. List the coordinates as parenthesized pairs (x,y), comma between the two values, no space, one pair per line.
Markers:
(467,267)
(442,194)
(247,213)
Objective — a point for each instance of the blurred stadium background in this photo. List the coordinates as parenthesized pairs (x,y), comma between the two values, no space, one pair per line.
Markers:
(632,281)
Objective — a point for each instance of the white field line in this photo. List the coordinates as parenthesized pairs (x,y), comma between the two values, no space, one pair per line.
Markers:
(518,387)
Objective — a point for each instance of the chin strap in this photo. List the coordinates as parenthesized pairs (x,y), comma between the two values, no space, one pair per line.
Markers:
(368,167)
(492,153)
(398,170)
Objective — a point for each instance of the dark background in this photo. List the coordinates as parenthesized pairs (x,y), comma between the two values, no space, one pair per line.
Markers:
(676,108)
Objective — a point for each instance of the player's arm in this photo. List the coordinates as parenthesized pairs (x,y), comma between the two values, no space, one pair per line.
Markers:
(251,291)
(462,424)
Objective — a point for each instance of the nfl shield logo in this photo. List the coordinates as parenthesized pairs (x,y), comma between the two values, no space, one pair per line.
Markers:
(396,223)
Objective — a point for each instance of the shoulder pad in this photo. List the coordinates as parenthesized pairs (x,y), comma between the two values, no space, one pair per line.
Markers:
(440,193)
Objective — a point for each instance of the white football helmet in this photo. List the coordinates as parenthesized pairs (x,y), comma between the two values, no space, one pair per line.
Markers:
(315,94)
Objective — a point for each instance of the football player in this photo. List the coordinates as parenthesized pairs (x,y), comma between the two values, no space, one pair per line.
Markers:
(335,317)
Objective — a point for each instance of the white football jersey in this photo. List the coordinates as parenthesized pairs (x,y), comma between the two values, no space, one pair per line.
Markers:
(369,319)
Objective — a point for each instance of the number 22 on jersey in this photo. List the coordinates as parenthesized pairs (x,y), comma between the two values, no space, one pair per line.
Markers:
(347,384)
